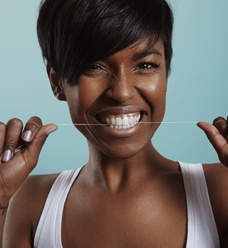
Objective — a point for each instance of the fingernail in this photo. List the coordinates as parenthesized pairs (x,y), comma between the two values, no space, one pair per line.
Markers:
(27,135)
(7,155)
(52,129)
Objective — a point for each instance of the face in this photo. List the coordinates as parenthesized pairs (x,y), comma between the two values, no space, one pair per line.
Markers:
(123,98)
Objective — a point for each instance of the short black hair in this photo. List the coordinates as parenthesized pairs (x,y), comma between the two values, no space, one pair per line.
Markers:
(75,33)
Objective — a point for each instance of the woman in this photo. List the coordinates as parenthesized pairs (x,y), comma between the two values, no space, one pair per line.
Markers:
(110,61)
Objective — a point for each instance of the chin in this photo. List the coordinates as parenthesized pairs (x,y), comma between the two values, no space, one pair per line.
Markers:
(124,151)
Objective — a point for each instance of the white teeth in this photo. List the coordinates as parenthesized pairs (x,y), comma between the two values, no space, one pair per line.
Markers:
(113,121)
(119,121)
(123,121)
(108,121)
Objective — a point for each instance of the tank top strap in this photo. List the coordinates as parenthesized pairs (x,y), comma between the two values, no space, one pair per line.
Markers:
(48,233)
(202,231)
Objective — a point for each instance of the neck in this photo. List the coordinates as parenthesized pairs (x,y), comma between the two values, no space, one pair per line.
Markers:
(116,174)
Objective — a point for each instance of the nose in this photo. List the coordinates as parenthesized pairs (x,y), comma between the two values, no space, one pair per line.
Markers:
(122,87)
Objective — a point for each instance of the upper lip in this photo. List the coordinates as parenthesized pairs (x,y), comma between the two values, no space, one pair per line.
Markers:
(118,111)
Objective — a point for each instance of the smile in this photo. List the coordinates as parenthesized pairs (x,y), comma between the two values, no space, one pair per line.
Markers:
(123,121)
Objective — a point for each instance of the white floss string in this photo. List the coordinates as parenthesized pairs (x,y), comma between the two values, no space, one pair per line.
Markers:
(163,122)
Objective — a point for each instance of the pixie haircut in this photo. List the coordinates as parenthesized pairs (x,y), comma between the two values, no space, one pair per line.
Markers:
(75,33)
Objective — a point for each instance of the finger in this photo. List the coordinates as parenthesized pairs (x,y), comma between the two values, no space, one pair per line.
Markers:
(32,151)
(221,124)
(31,128)
(12,136)
(2,137)
(216,138)
(18,168)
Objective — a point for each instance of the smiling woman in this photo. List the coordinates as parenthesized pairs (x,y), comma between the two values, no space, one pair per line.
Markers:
(117,87)
(109,61)
(196,90)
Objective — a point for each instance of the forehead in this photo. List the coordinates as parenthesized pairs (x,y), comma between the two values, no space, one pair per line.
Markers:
(141,49)
(148,45)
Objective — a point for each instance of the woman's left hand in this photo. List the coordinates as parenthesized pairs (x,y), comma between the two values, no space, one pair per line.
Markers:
(218,136)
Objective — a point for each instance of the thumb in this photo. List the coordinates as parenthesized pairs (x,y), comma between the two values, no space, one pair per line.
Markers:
(33,149)
(215,137)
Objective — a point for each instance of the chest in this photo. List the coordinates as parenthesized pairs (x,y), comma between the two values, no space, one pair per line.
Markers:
(144,220)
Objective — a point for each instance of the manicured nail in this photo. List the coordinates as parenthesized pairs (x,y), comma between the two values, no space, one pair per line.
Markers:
(52,129)
(27,135)
(7,155)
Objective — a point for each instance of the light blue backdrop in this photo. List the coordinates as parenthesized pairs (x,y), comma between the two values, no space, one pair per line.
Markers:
(197,86)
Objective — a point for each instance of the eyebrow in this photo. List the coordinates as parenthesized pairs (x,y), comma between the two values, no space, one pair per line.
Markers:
(145,53)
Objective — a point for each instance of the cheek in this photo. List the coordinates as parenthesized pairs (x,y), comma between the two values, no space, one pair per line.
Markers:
(75,103)
(158,101)
(81,98)
(154,92)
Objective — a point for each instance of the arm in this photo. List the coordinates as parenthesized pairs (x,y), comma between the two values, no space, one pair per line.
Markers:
(218,136)
(3,209)
(19,152)
(17,226)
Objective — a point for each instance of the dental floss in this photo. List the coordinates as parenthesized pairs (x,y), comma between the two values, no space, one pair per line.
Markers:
(163,122)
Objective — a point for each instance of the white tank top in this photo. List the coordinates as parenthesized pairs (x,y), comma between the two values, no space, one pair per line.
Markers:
(202,230)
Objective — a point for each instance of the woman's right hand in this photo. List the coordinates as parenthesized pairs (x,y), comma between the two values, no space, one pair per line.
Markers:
(19,152)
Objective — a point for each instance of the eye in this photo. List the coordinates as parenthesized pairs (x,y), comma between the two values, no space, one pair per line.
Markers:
(147,66)
(93,67)
(94,70)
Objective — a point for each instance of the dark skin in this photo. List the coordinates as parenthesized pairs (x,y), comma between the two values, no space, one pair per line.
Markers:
(127,195)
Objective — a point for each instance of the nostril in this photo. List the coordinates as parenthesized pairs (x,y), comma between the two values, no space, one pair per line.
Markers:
(121,91)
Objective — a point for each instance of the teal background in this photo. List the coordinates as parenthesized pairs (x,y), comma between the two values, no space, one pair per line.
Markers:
(197,86)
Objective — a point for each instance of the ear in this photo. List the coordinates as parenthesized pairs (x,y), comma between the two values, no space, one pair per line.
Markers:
(56,83)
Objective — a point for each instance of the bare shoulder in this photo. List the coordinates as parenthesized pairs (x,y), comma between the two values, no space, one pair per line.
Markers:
(217,183)
(33,193)
(216,173)
(26,207)
(35,187)
(38,183)
(216,177)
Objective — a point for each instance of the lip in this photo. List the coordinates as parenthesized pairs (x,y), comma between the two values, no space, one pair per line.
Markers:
(118,112)
(115,111)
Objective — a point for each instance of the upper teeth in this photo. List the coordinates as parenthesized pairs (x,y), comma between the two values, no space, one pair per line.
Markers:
(123,121)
